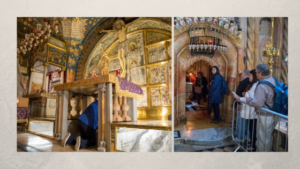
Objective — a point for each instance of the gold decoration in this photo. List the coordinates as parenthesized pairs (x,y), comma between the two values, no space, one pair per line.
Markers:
(105,69)
(271,51)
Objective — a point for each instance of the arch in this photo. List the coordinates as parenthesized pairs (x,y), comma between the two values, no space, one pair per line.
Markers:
(226,62)
(111,38)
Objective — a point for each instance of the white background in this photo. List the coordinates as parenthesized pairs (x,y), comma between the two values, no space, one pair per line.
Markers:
(9,158)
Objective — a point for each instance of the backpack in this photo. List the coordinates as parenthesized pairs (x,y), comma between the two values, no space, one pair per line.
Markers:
(224,88)
(280,97)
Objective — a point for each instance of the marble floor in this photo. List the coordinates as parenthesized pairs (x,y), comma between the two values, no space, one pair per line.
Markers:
(27,142)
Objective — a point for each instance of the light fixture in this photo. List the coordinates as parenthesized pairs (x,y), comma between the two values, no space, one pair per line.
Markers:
(209,34)
(271,51)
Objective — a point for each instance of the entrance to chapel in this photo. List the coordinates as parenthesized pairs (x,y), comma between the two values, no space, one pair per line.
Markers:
(200,118)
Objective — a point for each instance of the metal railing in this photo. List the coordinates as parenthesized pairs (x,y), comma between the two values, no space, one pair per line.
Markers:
(262,131)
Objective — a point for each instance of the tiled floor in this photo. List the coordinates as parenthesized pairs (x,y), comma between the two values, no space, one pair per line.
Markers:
(33,143)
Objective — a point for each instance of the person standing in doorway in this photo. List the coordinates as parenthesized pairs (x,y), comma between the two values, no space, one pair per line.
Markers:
(201,82)
(215,96)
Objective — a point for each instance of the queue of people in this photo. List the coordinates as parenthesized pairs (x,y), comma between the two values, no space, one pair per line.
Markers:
(259,93)
(256,91)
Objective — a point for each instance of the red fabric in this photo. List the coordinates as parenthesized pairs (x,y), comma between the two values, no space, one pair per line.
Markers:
(193,79)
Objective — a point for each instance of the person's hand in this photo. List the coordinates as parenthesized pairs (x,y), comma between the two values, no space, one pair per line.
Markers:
(236,96)
(247,99)
(240,72)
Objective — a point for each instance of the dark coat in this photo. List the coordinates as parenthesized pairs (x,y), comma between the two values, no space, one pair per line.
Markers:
(241,87)
(214,93)
(204,83)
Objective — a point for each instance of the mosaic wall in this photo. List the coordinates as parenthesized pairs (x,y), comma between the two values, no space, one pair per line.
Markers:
(109,38)
(56,57)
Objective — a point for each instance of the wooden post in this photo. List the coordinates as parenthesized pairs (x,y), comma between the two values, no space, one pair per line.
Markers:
(57,116)
(108,115)
(64,114)
(45,77)
(101,118)
(84,103)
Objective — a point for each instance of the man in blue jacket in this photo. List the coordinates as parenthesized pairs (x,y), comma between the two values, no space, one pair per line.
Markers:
(87,124)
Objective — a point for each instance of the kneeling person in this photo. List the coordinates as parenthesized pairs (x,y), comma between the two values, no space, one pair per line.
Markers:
(87,124)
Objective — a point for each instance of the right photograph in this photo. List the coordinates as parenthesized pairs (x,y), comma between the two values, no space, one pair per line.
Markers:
(230,84)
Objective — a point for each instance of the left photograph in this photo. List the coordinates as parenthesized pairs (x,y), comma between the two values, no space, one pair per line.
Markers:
(94,84)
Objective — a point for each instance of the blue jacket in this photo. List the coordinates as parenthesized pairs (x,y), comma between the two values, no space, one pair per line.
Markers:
(214,93)
(90,115)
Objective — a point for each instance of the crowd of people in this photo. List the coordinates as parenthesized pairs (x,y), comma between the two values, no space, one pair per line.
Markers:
(256,95)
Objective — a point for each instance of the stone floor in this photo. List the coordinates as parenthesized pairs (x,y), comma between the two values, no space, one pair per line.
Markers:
(27,142)
(198,120)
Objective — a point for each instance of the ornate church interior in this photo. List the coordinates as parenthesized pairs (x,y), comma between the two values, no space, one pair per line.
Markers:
(66,64)
(232,44)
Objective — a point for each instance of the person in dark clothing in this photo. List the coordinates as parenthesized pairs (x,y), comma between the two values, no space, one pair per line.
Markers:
(215,96)
(87,124)
(201,82)
(242,87)
(244,83)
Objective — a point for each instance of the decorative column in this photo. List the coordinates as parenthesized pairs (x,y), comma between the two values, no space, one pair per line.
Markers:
(64,114)
(44,90)
(116,109)
(101,118)
(250,43)
(132,112)
(57,116)
(284,65)
(125,109)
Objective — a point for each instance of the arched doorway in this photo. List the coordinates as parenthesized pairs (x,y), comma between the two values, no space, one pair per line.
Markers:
(227,64)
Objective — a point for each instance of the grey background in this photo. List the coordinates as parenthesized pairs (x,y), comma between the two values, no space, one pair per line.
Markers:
(9,158)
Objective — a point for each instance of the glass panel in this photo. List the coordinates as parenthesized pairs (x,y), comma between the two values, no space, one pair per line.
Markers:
(42,127)
(142,140)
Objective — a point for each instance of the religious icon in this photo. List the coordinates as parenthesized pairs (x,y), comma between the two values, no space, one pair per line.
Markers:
(120,27)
